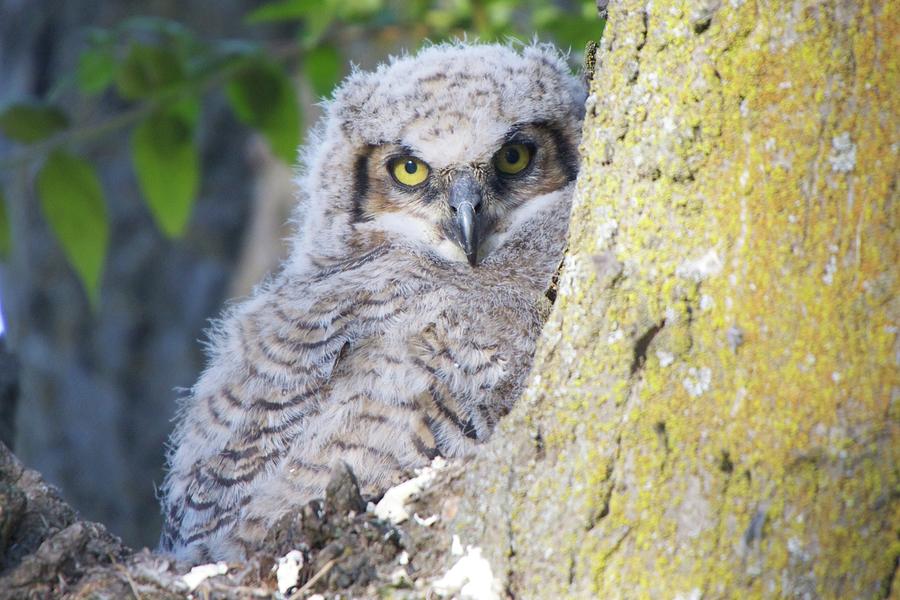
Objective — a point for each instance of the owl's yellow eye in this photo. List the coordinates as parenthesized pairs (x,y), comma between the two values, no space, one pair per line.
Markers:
(512,159)
(408,170)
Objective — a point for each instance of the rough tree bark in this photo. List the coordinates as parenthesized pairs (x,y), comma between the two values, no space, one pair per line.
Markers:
(714,410)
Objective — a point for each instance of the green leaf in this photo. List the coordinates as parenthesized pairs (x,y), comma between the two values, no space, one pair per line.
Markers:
(5,233)
(72,202)
(316,15)
(284,10)
(168,167)
(32,121)
(96,69)
(315,25)
(357,10)
(323,66)
(263,97)
(148,69)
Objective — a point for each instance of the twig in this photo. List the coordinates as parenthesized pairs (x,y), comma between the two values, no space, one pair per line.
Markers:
(133,115)
(312,580)
(132,585)
(124,571)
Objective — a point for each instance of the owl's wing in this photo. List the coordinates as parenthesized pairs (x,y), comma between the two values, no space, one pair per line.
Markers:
(475,360)
(269,374)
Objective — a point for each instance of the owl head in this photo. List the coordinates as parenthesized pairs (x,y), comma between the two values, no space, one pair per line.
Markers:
(446,152)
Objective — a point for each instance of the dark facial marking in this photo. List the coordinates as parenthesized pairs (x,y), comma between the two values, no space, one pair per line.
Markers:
(361,184)
(564,150)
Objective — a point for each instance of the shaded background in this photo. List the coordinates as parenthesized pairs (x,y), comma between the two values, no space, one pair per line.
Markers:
(87,395)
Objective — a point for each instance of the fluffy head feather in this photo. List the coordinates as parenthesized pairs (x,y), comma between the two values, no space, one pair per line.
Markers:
(453,106)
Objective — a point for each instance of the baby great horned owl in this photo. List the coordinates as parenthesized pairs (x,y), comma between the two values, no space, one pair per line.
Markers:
(435,206)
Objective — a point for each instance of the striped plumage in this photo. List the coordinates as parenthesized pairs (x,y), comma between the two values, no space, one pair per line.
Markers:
(378,343)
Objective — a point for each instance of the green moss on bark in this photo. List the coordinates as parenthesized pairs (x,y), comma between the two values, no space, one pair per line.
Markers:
(713,410)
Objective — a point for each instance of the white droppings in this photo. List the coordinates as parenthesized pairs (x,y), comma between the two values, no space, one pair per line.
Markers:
(456,548)
(701,268)
(665,358)
(843,153)
(287,571)
(697,381)
(428,522)
(392,506)
(744,108)
(706,302)
(201,573)
(399,577)
(836,376)
(470,578)
(615,336)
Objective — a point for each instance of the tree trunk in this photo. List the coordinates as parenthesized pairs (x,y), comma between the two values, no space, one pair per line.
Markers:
(714,409)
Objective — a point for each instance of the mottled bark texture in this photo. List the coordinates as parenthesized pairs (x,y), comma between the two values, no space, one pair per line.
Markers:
(714,410)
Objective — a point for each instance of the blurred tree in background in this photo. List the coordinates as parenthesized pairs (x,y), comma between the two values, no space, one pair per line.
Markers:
(135,197)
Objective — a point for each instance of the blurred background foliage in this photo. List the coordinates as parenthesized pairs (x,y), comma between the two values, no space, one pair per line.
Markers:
(161,69)
(146,153)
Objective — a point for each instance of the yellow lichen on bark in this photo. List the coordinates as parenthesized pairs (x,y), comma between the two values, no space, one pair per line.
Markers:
(714,409)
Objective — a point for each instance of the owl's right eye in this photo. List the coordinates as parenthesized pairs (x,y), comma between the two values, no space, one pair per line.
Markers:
(408,171)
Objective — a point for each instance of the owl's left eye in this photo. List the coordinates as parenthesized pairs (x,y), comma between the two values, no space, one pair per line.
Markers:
(512,159)
(408,171)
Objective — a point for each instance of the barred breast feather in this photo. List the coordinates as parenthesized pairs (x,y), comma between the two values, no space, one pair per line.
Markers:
(383,360)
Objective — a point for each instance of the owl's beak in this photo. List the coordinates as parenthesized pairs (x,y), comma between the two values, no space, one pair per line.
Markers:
(465,199)
(468,233)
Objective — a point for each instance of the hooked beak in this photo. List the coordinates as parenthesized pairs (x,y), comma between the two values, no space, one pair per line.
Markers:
(465,198)
(468,234)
